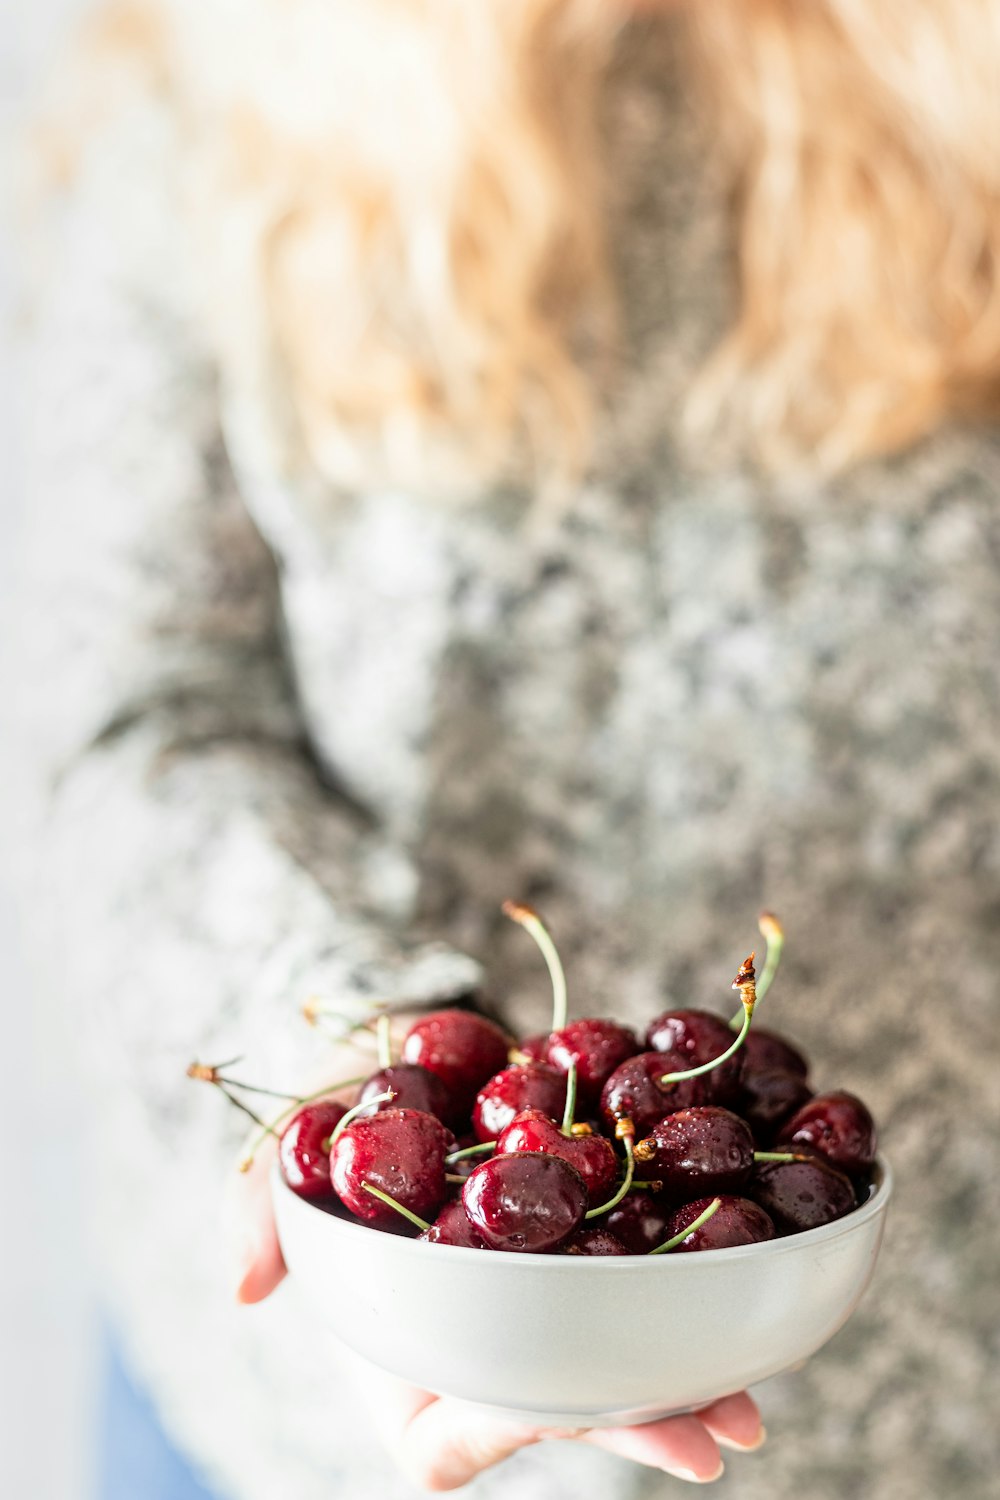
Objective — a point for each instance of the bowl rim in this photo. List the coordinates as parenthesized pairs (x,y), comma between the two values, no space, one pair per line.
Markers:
(784,1245)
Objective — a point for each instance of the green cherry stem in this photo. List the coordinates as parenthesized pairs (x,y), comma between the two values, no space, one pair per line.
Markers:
(780,1156)
(355,1110)
(744,982)
(383,1042)
(624,1185)
(528,918)
(246,1162)
(702,1218)
(407,1213)
(570,1106)
(773,934)
(213,1073)
(479,1150)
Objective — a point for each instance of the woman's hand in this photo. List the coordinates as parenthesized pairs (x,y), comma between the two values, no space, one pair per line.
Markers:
(442,1442)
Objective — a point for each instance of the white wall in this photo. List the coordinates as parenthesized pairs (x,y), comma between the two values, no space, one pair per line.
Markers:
(47,1336)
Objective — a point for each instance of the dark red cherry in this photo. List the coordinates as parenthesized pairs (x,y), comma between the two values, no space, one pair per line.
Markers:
(593,1156)
(768,1052)
(639,1221)
(452,1227)
(801,1194)
(698,1153)
(412,1087)
(526,1202)
(634,1092)
(736,1221)
(534,1048)
(590,1240)
(527,1086)
(304,1149)
(597,1047)
(768,1099)
(838,1125)
(401,1152)
(462,1048)
(690,1038)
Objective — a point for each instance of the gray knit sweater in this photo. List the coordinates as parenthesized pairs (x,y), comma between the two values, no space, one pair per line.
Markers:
(292,742)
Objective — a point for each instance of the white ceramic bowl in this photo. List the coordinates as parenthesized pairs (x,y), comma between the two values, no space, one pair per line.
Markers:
(578,1340)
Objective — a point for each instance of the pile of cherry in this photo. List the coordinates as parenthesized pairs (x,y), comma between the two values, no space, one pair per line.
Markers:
(588,1140)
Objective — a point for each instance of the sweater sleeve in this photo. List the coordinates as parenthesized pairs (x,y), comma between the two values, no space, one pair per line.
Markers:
(195,877)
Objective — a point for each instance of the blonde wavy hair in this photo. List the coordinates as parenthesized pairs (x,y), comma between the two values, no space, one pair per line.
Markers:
(401,215)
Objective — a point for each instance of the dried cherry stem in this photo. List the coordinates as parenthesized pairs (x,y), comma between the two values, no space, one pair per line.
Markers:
(383,1041)
(745,983)
(773,934)
(479,1150)
(625,1131)
(702,1218)
(356,1109)
(570,1106)
(331,1088)
(212,1073)
(528,918)
(406,1212)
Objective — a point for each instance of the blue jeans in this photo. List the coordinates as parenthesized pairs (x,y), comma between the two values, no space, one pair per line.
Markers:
(136,1460)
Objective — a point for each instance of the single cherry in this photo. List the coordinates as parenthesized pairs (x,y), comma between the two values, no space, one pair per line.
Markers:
(529,1202)
(591,1240)
(412,1087)
(634,1092)
(768,1052)
(768,1099)
(838,1125)
(736,1221)
(699,1152)
(801,1195)
(463,1049)
(593,1156)
(639,1221)
(692,1037)
(453,1227)
(400,1152)
(506,1094)
(304,1149)
(597,1047)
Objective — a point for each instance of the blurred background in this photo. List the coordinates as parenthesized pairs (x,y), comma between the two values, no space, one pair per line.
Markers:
(50,1349)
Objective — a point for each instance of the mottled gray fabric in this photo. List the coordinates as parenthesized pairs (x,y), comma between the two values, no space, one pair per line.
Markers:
(291,741)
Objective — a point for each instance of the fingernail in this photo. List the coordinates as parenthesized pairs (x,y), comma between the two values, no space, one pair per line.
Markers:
(694,1478)
(758,1442)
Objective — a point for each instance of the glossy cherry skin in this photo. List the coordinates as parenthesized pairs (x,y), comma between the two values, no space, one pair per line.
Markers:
(593,1156)
(801,1195)
(462,1049)
(400,1151)
(304,1151)
(597,1047)
(413,1087)
(634,1092)
(736,1221)
(527,1202)
(506,1094)
(690,1038)
(768,1051)
(534,1048)
(838,1125)
(590,1240)
(452,1227)
(639,1221)
(768,1099)
(698,1153)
